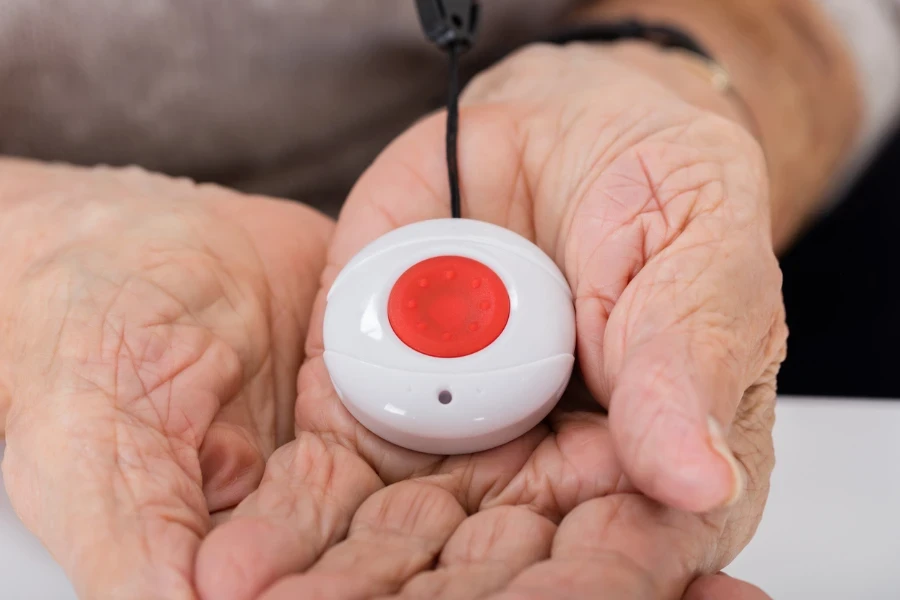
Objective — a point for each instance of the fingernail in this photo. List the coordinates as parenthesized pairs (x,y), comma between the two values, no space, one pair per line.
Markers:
(720,446)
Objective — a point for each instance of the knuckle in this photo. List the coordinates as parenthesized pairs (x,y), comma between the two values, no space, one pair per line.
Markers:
(409,509)
(494,532)
(310,460)
(778,336)
(752,444)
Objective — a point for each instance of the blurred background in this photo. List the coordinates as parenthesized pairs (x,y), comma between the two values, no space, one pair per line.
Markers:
(842,293)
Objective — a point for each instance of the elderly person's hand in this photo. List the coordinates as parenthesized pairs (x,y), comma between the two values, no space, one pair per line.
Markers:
(638,178)
(151,332)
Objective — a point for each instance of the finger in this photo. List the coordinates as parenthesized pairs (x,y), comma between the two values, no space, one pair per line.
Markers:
(396,533)
(102,456)
(699,323)
(623,546)
(484,554)
(320,411)
(687,363)
(220,518)
(274,542)
(304,504)
(120,508)
(572,465)
(295,266)
(231,463)
(578,579)
(723,587)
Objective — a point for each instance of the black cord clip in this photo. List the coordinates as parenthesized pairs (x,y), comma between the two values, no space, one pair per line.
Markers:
(450,23)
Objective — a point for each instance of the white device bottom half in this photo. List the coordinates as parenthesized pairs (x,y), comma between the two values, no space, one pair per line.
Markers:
(444,413)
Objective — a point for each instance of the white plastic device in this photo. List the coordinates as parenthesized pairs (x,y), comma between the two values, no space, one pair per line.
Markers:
(419,346)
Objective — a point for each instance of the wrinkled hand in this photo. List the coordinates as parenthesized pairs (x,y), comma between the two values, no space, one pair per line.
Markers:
(618,164)
(150,336)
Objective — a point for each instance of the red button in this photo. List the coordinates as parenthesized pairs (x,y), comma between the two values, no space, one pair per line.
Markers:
(448,307)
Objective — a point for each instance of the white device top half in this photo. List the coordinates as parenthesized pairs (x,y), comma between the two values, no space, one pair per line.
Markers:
(450,336)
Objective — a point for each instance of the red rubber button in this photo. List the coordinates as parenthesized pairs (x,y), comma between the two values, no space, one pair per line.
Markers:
(448,307)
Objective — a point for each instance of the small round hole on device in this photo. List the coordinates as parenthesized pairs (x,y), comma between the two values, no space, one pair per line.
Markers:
(445,397)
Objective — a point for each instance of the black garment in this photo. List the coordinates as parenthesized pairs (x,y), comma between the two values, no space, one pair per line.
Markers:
(842,291)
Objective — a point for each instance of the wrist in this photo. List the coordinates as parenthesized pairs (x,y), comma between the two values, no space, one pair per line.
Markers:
(690,77)
(782,57)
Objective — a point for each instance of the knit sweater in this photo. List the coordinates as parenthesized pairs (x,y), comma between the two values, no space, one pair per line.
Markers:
(285,97)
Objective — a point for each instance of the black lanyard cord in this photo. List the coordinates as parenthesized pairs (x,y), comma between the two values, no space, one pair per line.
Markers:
(452,26)
(453,133)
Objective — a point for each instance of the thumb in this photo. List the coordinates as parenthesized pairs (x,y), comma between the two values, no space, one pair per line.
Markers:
(698,327)
(102,460)
(118,504)
(108,498)
(723,587)
(679,309)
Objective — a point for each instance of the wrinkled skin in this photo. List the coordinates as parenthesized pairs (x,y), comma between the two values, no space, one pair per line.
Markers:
(150,346)
(657,213)
(149,360)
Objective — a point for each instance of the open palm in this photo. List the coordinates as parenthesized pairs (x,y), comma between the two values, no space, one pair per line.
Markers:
(654,468)
(151,331)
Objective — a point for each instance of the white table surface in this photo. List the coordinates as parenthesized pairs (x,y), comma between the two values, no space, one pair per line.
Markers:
(831,528)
